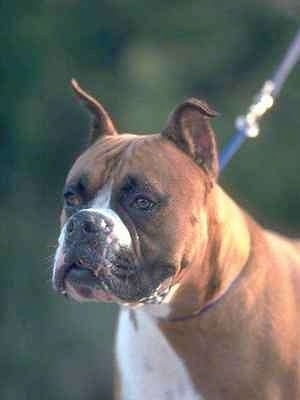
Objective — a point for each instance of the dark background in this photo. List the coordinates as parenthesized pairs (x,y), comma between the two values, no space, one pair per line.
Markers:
(140,59)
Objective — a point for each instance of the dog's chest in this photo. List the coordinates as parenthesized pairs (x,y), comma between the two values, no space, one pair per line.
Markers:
(148,366)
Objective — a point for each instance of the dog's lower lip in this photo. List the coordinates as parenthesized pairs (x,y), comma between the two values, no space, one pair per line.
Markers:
(62,273)
(81,283)
(80,274)
(59,278)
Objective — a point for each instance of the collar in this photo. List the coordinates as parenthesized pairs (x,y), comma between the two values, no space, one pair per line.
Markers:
(211,304)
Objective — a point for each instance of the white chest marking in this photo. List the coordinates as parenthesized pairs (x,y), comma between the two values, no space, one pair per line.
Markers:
(149,367)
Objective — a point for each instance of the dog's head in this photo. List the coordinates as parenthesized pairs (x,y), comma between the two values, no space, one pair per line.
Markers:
(134,207)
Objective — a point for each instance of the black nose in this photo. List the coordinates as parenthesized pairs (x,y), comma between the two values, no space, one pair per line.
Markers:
(88,224)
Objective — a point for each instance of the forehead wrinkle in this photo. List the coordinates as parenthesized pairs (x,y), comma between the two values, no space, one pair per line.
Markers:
(98,161)
(132,156)
(163,165)
(146,160)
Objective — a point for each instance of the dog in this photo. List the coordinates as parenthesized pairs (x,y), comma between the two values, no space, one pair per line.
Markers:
(209,300)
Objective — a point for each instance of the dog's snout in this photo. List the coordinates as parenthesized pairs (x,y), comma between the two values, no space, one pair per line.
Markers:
(87,223)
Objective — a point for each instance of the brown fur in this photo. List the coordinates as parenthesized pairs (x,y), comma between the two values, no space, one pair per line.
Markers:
(246,346)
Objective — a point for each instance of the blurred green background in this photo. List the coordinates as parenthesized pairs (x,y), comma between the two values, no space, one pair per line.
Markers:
(141,59)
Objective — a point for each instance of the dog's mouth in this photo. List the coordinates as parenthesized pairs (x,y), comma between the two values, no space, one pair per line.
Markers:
(80,282)
(90,276)
(83,281)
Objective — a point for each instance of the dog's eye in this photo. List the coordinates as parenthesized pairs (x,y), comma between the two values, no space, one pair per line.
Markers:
(72,199)
(142,203)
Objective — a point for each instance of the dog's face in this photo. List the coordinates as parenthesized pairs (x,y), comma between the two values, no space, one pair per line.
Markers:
(130,213)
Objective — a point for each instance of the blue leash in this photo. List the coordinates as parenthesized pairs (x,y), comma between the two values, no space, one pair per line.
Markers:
(247,126)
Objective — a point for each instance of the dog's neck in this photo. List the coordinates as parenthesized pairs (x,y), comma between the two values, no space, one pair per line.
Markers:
(217,266)
(229,242)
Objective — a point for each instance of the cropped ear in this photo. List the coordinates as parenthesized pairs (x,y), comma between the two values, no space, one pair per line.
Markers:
(101,122)
(189,128)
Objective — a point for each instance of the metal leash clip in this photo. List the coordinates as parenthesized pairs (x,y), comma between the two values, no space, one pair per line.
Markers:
(247,126)
(262,102)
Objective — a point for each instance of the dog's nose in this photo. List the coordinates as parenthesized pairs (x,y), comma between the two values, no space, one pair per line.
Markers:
(88,223)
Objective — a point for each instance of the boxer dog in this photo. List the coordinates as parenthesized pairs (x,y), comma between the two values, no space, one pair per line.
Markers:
(209,300)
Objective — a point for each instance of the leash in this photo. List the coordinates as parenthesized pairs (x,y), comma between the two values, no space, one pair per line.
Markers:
(247,126)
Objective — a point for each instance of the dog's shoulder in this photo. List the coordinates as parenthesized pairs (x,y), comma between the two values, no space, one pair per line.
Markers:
(285,243)
(284,248)
(296,243)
